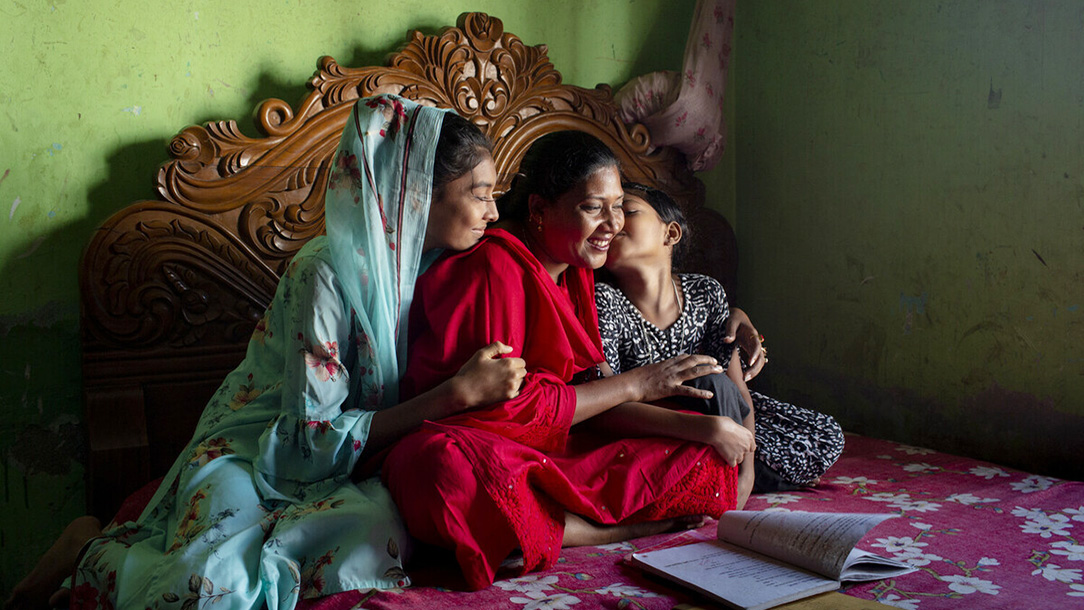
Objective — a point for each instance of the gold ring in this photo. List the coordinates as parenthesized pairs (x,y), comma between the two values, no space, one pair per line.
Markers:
(761,337)
(763,350)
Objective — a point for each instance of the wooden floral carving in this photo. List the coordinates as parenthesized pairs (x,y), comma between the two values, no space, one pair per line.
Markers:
(195,266)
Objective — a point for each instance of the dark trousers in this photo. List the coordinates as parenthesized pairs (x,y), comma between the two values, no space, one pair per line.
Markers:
(728,402)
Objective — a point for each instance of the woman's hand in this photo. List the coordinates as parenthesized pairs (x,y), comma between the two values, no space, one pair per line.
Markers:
(741,330)
(665,379)
(733,441)
(487,377)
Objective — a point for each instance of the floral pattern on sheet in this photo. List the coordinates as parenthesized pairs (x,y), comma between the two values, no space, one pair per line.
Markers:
(980,536)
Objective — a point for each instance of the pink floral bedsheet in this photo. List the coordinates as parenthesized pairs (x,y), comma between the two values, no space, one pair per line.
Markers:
(981,536)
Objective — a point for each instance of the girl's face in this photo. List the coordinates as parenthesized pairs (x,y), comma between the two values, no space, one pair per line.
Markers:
(462,209)
(577,227)
(645,238)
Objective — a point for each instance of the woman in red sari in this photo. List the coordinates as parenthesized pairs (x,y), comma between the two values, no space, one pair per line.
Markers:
(539,472)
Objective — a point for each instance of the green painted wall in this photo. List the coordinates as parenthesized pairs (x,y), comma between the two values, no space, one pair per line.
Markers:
(910,194)
(91,94)
(906,178)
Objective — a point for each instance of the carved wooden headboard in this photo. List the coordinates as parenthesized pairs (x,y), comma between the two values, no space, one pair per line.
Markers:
(172,288)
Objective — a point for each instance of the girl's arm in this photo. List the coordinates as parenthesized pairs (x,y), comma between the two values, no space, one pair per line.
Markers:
(739,330)
(728,328)
(485,378)
(644,384)
(732,440)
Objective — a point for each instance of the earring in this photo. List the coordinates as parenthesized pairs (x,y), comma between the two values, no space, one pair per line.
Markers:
(536,220)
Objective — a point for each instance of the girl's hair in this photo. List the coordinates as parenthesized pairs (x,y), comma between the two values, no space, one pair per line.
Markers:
(461,147)
(668,210)
(552,166)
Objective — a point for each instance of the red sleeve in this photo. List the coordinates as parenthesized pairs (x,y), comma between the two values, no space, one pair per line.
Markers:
(469,300)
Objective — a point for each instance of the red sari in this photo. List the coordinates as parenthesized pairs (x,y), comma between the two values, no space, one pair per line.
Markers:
(489,481)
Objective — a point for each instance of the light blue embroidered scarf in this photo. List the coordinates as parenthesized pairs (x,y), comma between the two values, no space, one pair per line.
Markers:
(376,209)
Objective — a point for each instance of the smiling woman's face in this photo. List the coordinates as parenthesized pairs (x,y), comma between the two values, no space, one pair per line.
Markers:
(577,227)
(462,209)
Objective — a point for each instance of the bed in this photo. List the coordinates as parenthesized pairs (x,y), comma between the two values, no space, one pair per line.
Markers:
(172,288)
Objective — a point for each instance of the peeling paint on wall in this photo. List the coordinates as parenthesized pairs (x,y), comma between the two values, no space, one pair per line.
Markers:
(33,248)
(50,315)
(42,444)
(48,450)
(910,306)
(993,99)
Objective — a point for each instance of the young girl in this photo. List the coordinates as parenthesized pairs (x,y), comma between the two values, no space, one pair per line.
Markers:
(650,314)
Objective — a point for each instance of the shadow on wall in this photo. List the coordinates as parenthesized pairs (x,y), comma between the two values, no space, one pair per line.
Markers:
(996,424)
(43,442)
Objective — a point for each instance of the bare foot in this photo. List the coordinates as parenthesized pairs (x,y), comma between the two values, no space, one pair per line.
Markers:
(40,588)
(745,480)
(581,532)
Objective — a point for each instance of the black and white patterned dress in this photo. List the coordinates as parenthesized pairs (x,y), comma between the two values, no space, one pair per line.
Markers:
(797,444)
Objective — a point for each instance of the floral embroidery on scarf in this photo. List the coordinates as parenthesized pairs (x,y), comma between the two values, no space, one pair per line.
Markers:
(346,174)
(316,507)
(309,579)
(396,572)
(319,426)
(261,332)
(394,114)
(210,449)
(217,533)
(384,217)
(188,527)
(85,595)
(200,590)
(324,359)
(245,394)
(373,393)
(365,348)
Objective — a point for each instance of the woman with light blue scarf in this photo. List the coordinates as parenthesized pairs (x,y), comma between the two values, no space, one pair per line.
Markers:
(260,508)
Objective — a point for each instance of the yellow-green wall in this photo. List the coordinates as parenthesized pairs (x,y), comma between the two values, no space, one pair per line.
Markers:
(91,93)
(910,199)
